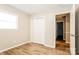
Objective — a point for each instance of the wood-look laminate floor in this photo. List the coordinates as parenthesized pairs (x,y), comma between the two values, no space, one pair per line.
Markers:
(34,49)
(61,45)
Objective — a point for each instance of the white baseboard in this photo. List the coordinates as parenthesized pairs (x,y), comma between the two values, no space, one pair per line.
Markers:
(14,46)
(49,46)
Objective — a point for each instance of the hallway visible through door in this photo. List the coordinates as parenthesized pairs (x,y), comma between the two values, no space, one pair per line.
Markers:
(63,32)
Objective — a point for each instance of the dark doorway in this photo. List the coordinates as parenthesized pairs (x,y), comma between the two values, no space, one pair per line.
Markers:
(59,30)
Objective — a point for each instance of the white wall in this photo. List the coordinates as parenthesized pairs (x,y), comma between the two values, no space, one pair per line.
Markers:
(50,30)
(10,38)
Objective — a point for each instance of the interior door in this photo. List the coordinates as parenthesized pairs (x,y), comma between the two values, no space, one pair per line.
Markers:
(38,27)
(72,30)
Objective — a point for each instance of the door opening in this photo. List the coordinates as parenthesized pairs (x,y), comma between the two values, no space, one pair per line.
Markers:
(63,32)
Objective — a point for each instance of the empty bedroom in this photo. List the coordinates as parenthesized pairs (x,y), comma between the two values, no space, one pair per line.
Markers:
(32,29)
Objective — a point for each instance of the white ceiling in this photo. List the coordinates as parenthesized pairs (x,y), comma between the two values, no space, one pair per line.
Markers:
(40,8)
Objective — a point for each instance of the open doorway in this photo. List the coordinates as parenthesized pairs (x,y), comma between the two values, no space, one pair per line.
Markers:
(63,32)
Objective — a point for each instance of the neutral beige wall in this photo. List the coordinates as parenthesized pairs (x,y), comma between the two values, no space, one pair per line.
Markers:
(9,37)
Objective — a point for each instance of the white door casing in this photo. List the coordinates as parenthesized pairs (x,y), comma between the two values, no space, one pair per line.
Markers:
(72,30)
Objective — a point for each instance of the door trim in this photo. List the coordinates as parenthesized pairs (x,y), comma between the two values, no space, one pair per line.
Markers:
(71,52)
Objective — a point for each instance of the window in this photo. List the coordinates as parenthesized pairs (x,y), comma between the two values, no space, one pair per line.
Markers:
(8,21)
